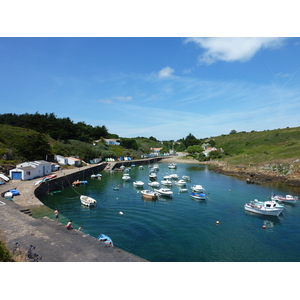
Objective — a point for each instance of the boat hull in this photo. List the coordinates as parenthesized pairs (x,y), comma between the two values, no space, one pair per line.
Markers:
(198,196)
(88,201)
(266,212)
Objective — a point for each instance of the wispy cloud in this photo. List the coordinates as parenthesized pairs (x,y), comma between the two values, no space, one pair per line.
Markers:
(232,49)
(166,72)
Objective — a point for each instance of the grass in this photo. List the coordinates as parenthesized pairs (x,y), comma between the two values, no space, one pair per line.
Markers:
(7,256)
(257,147)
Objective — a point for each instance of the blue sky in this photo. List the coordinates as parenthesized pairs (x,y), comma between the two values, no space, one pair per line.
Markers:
(166,87)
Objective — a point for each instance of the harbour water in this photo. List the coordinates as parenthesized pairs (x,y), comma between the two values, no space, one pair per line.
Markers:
(181,229)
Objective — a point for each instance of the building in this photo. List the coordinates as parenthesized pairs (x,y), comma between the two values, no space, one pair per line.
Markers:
(30,170)
(156,151)
(74,161)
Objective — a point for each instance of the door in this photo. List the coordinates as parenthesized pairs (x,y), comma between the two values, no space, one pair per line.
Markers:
(16,175)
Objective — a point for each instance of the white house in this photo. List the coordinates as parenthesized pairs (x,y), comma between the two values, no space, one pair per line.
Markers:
(208,150)
(73,161)
(61,159)
(30,170)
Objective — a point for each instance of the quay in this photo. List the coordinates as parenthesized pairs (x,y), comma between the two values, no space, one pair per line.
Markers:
(53,242)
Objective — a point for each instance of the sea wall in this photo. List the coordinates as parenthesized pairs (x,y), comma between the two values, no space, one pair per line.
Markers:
(66,179)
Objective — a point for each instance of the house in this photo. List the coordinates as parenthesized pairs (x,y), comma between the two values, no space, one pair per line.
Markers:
(61,159)
(112,142)
(208,150)
(74,161)
(30,170)
(156,151)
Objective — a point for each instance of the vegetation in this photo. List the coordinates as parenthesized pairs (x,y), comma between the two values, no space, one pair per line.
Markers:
(36,136)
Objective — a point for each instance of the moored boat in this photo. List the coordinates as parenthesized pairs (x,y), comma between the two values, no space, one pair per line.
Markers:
(286,199)
(164,192)
(138,184)
(180,183)
(154,184)
(198,196)
(269,208)
(105,239)
(126,177)
(147,194)
(172,166)
(88,201)
(166,182)
(153,176)
(197,188)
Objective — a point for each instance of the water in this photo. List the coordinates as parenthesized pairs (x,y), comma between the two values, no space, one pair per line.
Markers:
(181,229)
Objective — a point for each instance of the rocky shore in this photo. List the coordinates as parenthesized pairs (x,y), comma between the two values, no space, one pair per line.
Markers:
(284,171)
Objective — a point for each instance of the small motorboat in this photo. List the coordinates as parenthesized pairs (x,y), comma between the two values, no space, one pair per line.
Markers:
(269,208)
(147,194)
(105,239)
(286,199)
(76,183)
(174,176)
(198,196)
(180,182)
(166,182)
(14,192)
(182,190)
(153,176)
(197,188)
(138,184)
(172,166)
(154,184)
(96,175)
(88,201)
(164,192)
(126,177)
(186,178)
(156,167)
(141,168)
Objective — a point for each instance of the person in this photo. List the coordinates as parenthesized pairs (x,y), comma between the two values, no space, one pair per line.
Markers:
(56,214)
(69,225)
(80,228)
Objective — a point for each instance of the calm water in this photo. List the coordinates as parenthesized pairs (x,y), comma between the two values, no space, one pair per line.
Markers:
(181,229)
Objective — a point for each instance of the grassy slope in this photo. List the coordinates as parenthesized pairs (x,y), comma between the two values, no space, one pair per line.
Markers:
(257,147)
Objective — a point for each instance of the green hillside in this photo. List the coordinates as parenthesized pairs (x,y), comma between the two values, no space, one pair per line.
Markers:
(262,146)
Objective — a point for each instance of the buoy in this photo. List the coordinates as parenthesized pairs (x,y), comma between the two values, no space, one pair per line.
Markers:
(264,227)
(217,222)
(120,213)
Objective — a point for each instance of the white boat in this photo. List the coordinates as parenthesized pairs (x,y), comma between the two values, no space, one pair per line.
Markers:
(164,192)
(167,177)
(174,176)
(88,201)
(269,208)
(141,168)
(156,167)
(180,182)
(182,190)
(147,194)
(154,184)
(126,177)
(138,184)
(153,175)
(172,166)
(166,182)
(96,175)
(197,188)
(286,199)
(198,196)
(187,178)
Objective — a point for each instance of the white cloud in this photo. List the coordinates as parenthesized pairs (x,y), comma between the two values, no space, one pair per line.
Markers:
(232,49)
(166,72)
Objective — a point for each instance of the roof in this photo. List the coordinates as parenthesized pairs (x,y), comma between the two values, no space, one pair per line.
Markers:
(74,158)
